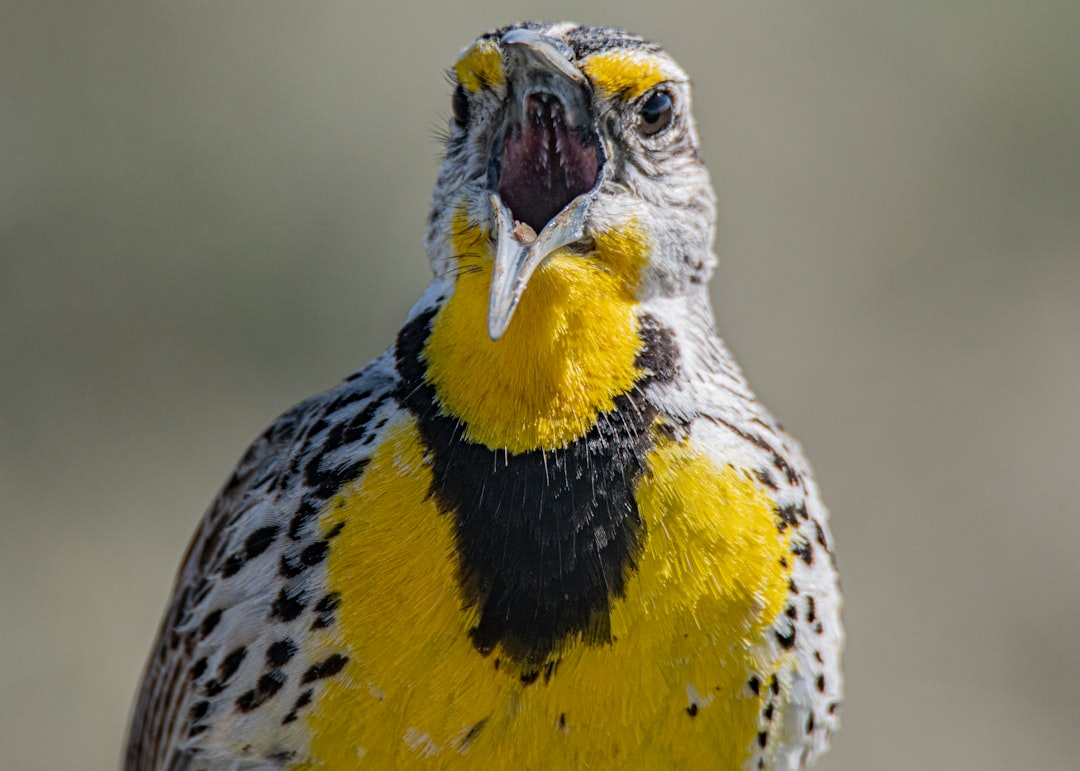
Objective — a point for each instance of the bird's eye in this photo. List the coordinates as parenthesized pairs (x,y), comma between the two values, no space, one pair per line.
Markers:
(656,113)
(461,106)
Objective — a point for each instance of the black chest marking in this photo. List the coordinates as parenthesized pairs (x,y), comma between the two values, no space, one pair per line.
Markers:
(545,540)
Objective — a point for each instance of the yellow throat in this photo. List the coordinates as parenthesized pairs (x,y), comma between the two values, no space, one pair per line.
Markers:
(568,352)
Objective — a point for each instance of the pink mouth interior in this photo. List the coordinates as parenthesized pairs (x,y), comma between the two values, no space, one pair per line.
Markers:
(545,162)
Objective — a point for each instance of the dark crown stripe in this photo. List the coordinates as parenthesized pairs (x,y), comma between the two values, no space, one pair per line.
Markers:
(585,40)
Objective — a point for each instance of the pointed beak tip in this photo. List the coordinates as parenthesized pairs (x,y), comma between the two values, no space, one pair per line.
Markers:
(498,320)
(495,329)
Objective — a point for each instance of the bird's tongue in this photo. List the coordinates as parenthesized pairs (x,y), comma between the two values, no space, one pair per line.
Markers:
(546,162)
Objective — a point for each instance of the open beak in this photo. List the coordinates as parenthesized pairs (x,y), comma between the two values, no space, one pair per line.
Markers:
(546,167)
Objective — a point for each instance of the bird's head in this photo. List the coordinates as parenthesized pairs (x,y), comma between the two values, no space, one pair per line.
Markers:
(572,142)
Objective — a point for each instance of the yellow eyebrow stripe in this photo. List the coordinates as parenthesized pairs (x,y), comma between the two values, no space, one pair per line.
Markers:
(480,66)
(624,73)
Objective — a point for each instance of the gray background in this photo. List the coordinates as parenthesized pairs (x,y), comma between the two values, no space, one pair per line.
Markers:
(209,210)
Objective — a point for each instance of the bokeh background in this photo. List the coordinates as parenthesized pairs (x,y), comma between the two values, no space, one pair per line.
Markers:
(209,210)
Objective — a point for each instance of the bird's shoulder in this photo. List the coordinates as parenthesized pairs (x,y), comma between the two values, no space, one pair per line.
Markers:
(719,418)
(246,592)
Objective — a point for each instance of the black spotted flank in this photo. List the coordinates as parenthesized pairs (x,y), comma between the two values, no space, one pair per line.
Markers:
(759,441)
(296,562)
(326,482)
(325,609)
(271,682)
(210,622)
(819,535)
(803,550)
(198,710)
(347,398)
(307,512)
(255,544)
(226,669)
(331,665)
(260,541)
(755,685)
(787,641)
(782,465)
(302,701)
(231,663)
(268,685)
(563,556)
(290,566)
(279,653)
(355,429)
(789,515)
(232,565)
(288,605)
(314,553)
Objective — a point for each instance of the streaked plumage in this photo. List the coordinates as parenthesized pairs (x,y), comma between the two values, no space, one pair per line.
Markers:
(550,527)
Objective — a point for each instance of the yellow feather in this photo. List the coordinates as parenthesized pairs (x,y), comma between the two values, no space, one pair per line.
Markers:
(480,66)
(416,693)
(568,352)
(626,74)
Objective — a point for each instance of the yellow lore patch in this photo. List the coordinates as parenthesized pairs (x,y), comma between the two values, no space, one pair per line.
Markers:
(480,66)
(568,352)
(626,74)
(668,691)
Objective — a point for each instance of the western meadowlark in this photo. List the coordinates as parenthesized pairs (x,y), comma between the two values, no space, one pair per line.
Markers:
(550,527)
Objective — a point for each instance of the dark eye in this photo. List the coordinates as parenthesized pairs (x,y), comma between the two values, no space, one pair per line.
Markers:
(461,106)
(656,113)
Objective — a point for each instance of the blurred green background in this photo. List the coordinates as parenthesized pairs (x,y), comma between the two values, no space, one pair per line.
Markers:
(210,210)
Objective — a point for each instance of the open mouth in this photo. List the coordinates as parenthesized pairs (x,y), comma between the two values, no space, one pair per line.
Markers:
(546,167)
(550,156)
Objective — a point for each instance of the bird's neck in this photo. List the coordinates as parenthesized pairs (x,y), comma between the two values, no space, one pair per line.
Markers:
(571,348)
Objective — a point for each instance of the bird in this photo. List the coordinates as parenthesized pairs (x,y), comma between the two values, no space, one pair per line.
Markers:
(550,526)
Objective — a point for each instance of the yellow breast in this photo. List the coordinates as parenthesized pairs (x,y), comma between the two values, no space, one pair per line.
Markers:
(669,689)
